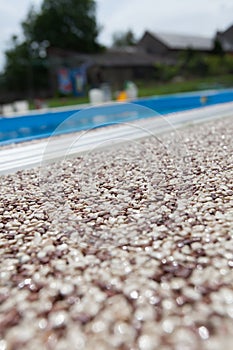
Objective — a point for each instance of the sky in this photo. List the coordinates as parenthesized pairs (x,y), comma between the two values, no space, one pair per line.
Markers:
(197,17)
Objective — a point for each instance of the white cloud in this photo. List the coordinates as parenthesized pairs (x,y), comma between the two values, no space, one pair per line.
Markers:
(12,13)
(167,15)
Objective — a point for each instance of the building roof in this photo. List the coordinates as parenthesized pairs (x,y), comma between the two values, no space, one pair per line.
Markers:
(229,32)
(226,39)
(122,57)
(181,41)
(129,57)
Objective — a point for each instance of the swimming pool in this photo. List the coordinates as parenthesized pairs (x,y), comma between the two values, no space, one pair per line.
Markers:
(40,125)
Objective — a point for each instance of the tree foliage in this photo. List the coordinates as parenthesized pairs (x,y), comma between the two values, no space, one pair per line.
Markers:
(17,59)
(194,65)
(121,39)
(218,49)
(24,68)
(65,24)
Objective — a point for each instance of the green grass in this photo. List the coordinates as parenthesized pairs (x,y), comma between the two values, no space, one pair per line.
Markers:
(184,86)
(66,101)
(155,88)
(62,101)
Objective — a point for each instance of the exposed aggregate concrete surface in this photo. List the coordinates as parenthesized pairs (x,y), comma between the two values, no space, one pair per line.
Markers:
(128,247)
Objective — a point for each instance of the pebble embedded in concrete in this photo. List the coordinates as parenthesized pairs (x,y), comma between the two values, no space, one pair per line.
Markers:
(125,248)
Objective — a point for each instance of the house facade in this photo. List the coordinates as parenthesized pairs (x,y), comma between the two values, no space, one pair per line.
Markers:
(116,66)
(113,66)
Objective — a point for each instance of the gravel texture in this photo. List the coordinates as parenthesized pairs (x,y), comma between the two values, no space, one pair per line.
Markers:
(123,248)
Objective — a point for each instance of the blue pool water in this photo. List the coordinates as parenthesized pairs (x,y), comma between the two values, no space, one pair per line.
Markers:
(40,125)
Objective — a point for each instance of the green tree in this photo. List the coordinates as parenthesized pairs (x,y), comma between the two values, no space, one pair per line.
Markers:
(25,68)
(121,39)
(65,24)
(218,50)
(17,60)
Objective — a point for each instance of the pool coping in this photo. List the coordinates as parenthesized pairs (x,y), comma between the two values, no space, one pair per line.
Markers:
(29,155)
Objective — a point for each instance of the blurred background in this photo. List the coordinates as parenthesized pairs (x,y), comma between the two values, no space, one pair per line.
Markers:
(52,52)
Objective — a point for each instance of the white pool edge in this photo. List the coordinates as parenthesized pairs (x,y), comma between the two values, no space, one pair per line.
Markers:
(30,155)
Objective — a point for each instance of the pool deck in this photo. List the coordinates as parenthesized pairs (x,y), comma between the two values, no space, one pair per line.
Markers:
(125,247)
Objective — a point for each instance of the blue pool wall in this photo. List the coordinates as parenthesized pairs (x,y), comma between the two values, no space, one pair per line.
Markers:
(40,125)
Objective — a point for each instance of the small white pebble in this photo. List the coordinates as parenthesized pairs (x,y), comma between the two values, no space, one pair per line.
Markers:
(49,248)
(42,324)
(167,304)
(146,342)
(58,319)
(24,258)
(168,326)
(37,238)
(3,344)
(191,293)
(66,289)
(98,326)
(227,295)
(203,332)
(41,254)
(62,247)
